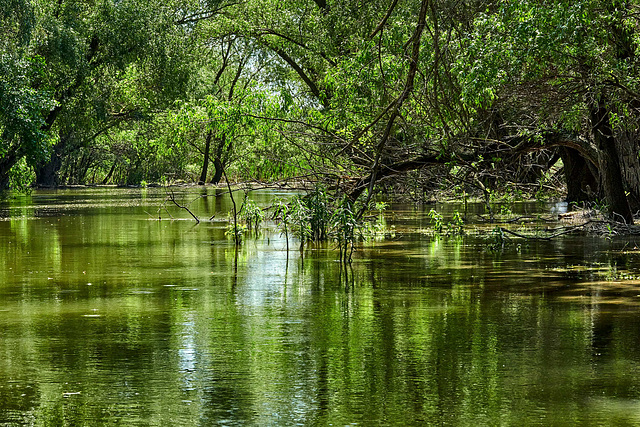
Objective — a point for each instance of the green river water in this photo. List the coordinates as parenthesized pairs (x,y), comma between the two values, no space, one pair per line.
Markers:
(109,316)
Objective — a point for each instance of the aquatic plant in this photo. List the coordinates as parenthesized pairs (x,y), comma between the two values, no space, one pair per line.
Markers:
(235,230)
(317,203)
(453,227)
(343,224)
(252,215)
(436,220)
(456,224)
(374,227)
(314,217)
(300,220)
(281,214)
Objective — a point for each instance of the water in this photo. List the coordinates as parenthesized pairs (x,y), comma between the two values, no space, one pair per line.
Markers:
(111,316)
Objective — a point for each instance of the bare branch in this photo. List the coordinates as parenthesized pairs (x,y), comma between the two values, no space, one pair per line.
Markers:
(171,197)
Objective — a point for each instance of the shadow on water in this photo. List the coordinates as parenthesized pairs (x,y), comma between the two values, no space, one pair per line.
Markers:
(110,315)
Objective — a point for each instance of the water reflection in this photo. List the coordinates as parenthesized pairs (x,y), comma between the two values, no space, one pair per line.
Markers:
(111,316)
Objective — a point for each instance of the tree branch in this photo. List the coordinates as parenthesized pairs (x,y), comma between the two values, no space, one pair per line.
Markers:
(303,75)
(408,88)
(171,197)
(384,20)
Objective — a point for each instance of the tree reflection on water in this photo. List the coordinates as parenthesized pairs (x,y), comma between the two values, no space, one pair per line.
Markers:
(111,316)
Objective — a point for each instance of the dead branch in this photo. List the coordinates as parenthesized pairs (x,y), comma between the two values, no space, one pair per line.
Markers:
(566,230)
(172,198)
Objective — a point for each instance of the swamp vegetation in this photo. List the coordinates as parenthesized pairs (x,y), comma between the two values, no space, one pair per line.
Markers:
(411,100)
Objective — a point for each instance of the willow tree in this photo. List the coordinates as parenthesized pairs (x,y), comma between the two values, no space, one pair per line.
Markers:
(563,73)
(350,67)
(90,50)
(228,97)
(374,81)
(24,98)
(398,86)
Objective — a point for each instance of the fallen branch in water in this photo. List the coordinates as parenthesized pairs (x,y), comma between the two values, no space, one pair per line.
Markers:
(601,227)
(236,235)
(171,197)
(566,230)
(522,218)
(527,217)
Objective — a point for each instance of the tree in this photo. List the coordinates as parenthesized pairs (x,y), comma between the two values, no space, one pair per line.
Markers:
(90,49)
(350,88)
(24,99)
(562,66)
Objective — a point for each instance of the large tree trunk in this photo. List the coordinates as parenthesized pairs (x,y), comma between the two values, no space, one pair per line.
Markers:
(108,177)
(218,163)
(610,171)
(6,163)
(628,149)
(217,176)
(205,164)
(582,185)
(47,171)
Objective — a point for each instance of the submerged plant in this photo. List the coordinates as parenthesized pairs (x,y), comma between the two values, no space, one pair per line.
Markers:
(376,226)
(252,215)
(436,220)
(282,216)
(344,225)
(315,217)
(456,224)
(235,230)
(300,220)
(453,227)
(317,203)
(381,207)
(498,240)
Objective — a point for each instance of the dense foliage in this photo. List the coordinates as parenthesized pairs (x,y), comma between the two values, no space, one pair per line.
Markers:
(405,97)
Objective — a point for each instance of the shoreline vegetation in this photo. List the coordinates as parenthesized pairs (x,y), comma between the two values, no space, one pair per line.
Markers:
(509,227)
(415,102)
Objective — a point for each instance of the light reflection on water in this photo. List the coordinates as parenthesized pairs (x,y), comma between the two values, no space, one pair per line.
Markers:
(111,316)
